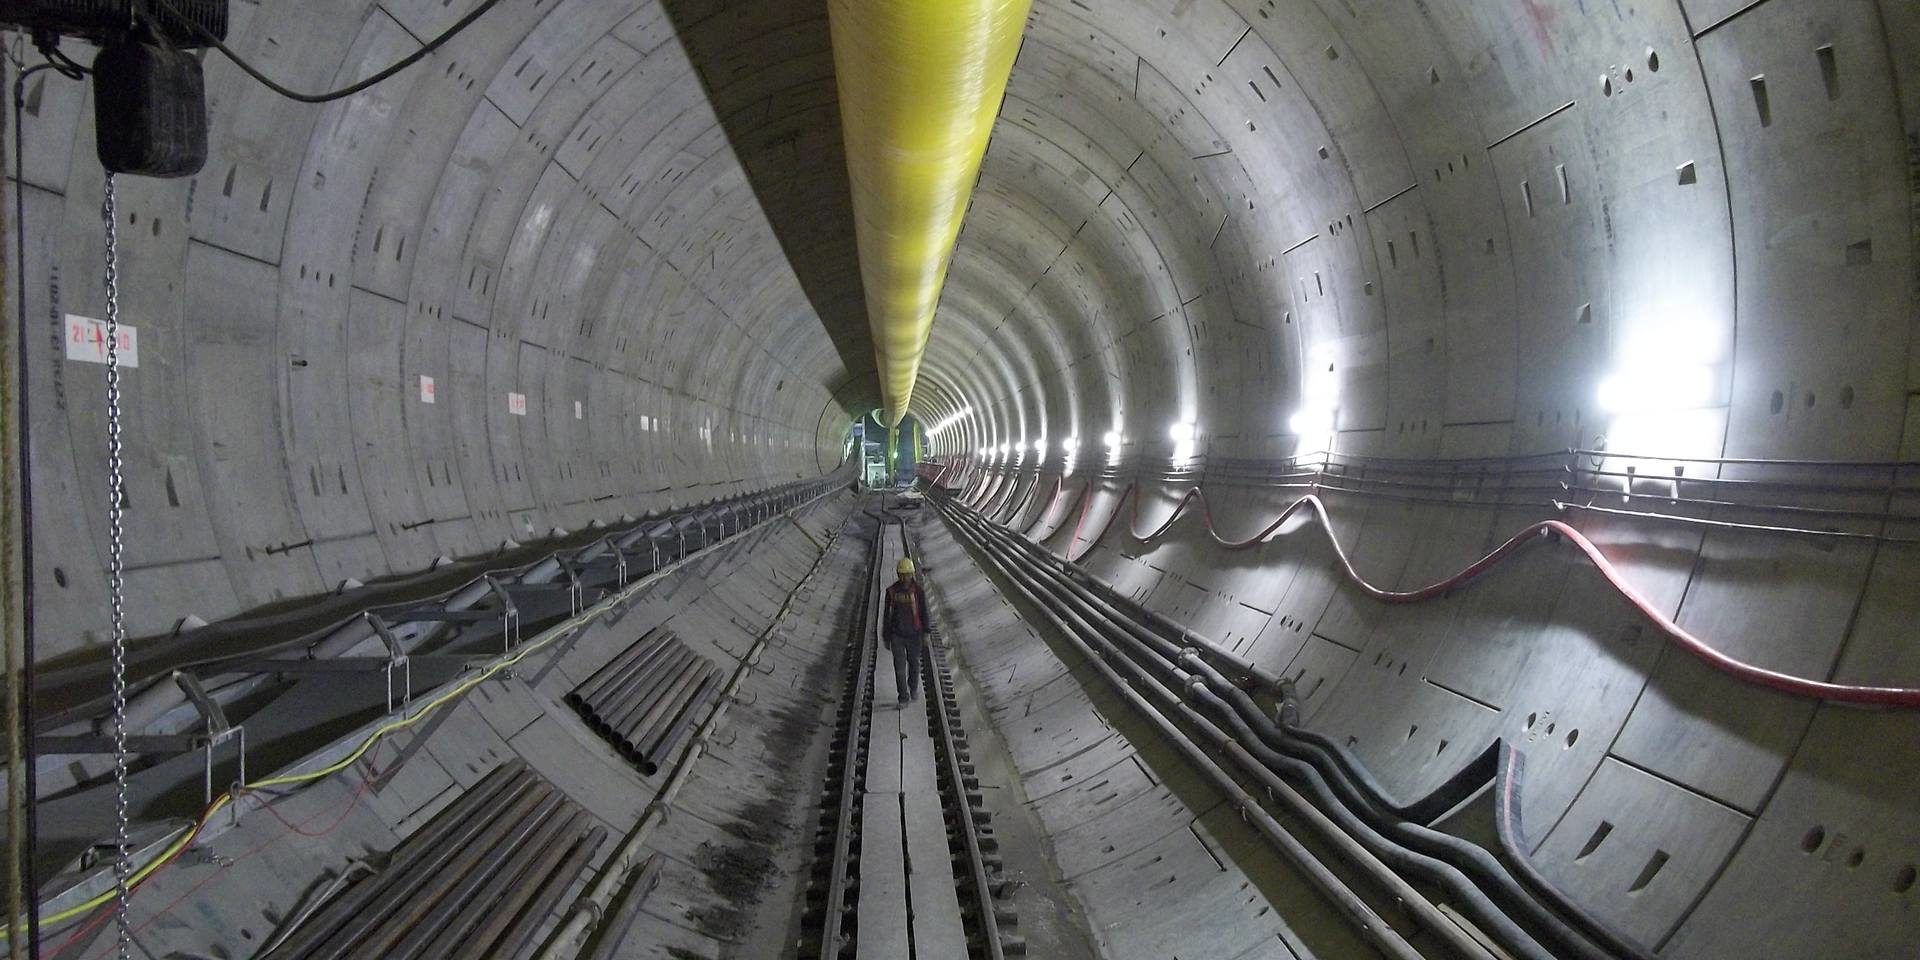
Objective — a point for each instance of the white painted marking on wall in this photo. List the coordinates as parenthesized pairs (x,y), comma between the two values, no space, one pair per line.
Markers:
(578,410)
(517,404)
(87,341)
(426,389)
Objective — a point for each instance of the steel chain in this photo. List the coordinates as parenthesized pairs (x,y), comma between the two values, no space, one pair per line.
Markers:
(116,576)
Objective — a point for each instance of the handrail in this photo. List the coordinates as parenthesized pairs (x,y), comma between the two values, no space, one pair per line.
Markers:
(1532,482)
(351,618)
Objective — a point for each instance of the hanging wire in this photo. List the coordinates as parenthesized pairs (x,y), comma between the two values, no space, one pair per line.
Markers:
(25,788)
(116,575)
(207,37)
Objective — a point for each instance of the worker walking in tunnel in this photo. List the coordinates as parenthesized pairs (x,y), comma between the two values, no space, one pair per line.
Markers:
(906,626)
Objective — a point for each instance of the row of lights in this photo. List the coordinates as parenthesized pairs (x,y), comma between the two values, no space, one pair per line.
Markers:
(1668,371)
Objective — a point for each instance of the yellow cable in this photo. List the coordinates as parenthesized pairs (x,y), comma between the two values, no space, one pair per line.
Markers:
(920,85)
(376,736)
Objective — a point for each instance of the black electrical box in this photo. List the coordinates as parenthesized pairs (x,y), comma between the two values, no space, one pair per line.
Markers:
(149,109)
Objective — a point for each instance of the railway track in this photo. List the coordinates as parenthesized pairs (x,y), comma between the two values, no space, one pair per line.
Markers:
(906,866)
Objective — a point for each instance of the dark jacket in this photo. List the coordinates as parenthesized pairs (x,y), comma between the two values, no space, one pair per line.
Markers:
(906,610)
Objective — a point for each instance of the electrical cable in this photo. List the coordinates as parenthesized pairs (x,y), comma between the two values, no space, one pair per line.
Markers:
(24,429)
(1478,882)
(1906,698)
(81,933)
(562,629)
(1342,783)
(208,37)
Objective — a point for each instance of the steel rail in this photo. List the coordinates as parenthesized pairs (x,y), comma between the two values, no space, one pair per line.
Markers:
(855,725)
(967,833)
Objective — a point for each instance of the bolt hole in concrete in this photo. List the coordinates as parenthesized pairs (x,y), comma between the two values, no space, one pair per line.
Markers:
(1904,881)
(1814,838)
(1593,843)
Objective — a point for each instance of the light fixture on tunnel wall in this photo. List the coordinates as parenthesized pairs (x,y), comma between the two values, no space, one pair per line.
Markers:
(1113,441)
(1185,435)
(1069,454)
(949,420)
(1307,422)
(1658,386)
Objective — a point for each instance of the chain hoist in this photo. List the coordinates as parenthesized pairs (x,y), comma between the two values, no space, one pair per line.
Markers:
(116,577)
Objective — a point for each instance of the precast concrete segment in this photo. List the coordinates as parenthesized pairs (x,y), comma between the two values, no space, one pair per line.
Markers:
(920,86)
(1399,835)
(1109,814)
(1158,700)
(1449,224)
(514,256)
(266,860)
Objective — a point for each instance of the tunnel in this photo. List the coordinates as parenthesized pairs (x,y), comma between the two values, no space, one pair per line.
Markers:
(1411,479)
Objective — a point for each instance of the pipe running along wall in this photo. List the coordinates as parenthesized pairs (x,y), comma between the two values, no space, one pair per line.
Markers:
(1859,694)
(920,85)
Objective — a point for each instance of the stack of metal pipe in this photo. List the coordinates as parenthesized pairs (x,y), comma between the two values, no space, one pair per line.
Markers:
(647,700)
(477,882)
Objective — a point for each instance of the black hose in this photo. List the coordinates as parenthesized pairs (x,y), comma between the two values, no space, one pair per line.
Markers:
(1382,818)
(1399,857)
(1070,620)
(1491,876)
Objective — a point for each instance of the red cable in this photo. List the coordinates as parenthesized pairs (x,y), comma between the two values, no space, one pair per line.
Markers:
(1086,489)
(82,932)
(999,497)
(1059,486)
(1102,535)
(1903,697)
(1019,506)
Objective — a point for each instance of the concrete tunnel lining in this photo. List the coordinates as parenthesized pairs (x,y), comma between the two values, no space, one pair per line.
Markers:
(1449,228)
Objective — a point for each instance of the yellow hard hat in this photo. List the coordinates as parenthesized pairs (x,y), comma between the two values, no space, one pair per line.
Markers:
(905,567)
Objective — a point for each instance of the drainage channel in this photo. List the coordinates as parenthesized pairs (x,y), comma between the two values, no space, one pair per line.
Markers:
(906,865)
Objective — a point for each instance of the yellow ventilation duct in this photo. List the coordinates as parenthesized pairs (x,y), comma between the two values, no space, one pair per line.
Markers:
(920,85)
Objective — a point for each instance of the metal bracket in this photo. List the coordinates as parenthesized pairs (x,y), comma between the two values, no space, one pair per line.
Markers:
(509,613)
(218,731)
(396,657)
(576,592)
(619,562)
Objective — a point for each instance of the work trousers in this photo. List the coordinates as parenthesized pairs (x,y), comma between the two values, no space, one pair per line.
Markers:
(906,663)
